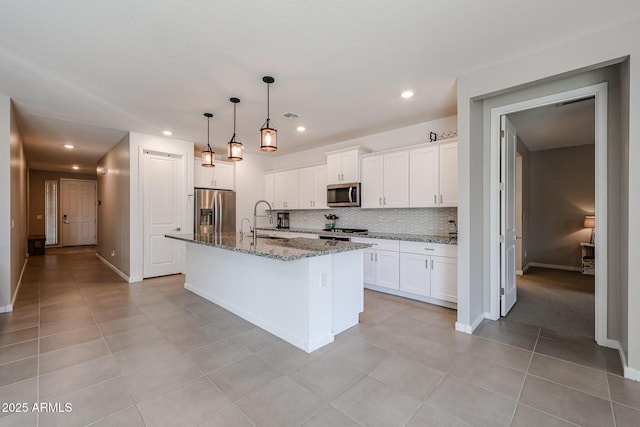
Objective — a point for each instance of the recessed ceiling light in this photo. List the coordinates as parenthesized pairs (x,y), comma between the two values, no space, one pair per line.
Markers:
(167,132)
(75,167)
(69,146)
(407,94)
(301,128)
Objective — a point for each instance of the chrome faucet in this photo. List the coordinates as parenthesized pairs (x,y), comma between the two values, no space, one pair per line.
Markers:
(255,219)
(241,223)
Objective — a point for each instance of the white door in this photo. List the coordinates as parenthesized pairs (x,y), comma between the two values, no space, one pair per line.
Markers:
(223,176)
(369,266)
(507,216)
(372,181)
(280,190)
(164,205)
(396,180)
(78,211)
(423,177)
(320,183)
(293,189)
(444,278)
(334,168)
(449,174)
(415,274)
(307,188)
(387,264)
(269,189)
(349,163)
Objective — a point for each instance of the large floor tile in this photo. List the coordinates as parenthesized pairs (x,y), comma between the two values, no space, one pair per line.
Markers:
(495,331)
(580,377)
(186,405)
(255,339)
(159,378)
(429,416)
(626,416)
(228,417)
(448,337)
(471,404)
(129,417)
(407,376)
(132,338)
(502,354)
(18,371)
(281,403)
(242,377)
(122,325)
(624,391)
(566,403)
(66,325)
(588,355)
(69,338)
(496,378)
(284,357)
(360,353)
(186,338)
(373,403)
(91,404)
(24,391)
(18,336)
(13,352)
(330,416)
(527,416)
(67,380)
(19,419)
(68,356)
(328,376)
(145,355)
(217,355)
(428,353)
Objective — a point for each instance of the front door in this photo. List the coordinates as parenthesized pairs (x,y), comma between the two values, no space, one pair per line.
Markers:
(507,216)
(78,212)
(163,205)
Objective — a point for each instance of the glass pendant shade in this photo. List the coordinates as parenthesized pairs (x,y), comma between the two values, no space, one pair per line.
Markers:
(235,149)
(207,157)
(268,135)
(268,138)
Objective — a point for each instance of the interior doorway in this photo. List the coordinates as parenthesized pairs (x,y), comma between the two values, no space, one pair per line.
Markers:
(499,268)
(78,212)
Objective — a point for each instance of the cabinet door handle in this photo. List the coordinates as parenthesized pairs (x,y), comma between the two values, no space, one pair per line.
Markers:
(432,264)
(435,199)
(376,257)
(342,176)
(384,201)
(380,202)
(441,199)
(371,256)
(429,249)
(426,264)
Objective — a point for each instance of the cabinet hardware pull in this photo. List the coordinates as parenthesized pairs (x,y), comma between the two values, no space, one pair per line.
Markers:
(441,199)
(376,257)
(384,201)
(429,249)
(371,256)
(435,199)
(426,264)
(432,264)
(380,202)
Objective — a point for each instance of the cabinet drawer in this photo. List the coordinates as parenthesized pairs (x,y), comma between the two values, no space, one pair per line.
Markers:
(422,248)
(379,244)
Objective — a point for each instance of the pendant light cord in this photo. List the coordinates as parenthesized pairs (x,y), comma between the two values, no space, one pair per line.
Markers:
(268,103)
(234,122)
(208,145)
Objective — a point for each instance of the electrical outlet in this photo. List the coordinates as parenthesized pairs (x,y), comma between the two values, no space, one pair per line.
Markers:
(113,254)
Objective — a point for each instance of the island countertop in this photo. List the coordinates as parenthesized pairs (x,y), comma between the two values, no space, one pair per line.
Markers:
(425,238)
(280,249)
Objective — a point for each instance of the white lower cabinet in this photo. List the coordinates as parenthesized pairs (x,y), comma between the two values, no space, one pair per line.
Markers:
(444,278)
(429,276)
(415,275)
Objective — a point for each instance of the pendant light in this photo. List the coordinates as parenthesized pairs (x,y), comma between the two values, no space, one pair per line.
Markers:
(268,135)
(207,155)
(234,147)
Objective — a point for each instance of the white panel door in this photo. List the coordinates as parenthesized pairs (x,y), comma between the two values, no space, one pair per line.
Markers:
(387,266)
(396,180)
(320,185)
(334,168)
(424,174)
(508,216)
(372,181)
(280,190)
(444,278)
(307,188)
(293,189)
(369,263)
(415,274)
(78,211)
(350,166)
(164,203)
(449,175)
(269,189)
(223,176)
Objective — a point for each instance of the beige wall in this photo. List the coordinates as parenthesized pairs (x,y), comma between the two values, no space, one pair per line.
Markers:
(18,205)
(37,201)
(562,192)
(113,207)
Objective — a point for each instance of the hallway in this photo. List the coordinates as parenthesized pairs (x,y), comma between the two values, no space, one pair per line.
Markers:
(151,353)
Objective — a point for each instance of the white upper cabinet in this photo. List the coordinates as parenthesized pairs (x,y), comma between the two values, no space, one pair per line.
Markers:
(449,174)
(423,177)
(287,187)
(222,176)
(313,187)
(433,176)
(385,180)
(343,166)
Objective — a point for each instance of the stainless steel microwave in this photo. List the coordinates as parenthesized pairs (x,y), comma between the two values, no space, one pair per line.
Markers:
(340,195)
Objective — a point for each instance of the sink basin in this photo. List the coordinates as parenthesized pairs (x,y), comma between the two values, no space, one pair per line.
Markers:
(266,236)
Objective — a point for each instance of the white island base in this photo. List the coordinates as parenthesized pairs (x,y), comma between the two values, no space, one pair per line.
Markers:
(305,301)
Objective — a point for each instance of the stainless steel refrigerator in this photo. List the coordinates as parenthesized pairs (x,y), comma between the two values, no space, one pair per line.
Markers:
(215,211)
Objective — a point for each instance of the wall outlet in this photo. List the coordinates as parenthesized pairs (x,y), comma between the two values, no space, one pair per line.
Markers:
(113,254)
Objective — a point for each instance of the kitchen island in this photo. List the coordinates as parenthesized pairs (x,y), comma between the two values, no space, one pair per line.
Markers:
(302,290)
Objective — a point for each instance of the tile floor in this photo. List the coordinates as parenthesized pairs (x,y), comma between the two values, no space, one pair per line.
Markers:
(151,353)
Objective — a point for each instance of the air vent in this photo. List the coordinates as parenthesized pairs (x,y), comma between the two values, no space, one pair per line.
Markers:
(290,116)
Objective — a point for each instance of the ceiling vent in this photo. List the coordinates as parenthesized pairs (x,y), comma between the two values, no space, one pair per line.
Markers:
(290,116)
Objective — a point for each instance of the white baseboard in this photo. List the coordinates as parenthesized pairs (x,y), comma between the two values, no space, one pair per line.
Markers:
(526,267)
(114,268)
(15,294)
(468,329)
(6,308)
(399,293)
(519,272)
(629,373)
(553,266)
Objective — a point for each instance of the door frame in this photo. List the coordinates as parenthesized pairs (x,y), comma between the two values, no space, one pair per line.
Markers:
(599,91)
(61,242)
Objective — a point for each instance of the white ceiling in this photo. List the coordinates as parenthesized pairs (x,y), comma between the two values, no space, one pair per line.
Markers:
(557,125)
(341,65)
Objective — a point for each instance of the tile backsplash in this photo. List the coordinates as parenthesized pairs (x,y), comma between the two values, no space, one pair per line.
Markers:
(433,221)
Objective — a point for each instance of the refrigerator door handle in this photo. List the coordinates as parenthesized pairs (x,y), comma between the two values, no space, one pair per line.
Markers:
(220,212)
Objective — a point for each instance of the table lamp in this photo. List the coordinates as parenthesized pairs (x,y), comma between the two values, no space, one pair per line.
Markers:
(590,222)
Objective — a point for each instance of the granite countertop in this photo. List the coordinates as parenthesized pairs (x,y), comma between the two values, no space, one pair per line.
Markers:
(445,240)
(280,249)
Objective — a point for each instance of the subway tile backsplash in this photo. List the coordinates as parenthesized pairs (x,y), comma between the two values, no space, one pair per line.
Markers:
(430,221)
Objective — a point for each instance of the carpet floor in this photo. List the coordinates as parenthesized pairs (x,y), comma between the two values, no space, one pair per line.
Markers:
(559,300)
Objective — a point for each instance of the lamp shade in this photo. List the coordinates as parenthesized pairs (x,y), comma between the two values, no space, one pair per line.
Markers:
(589,221)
